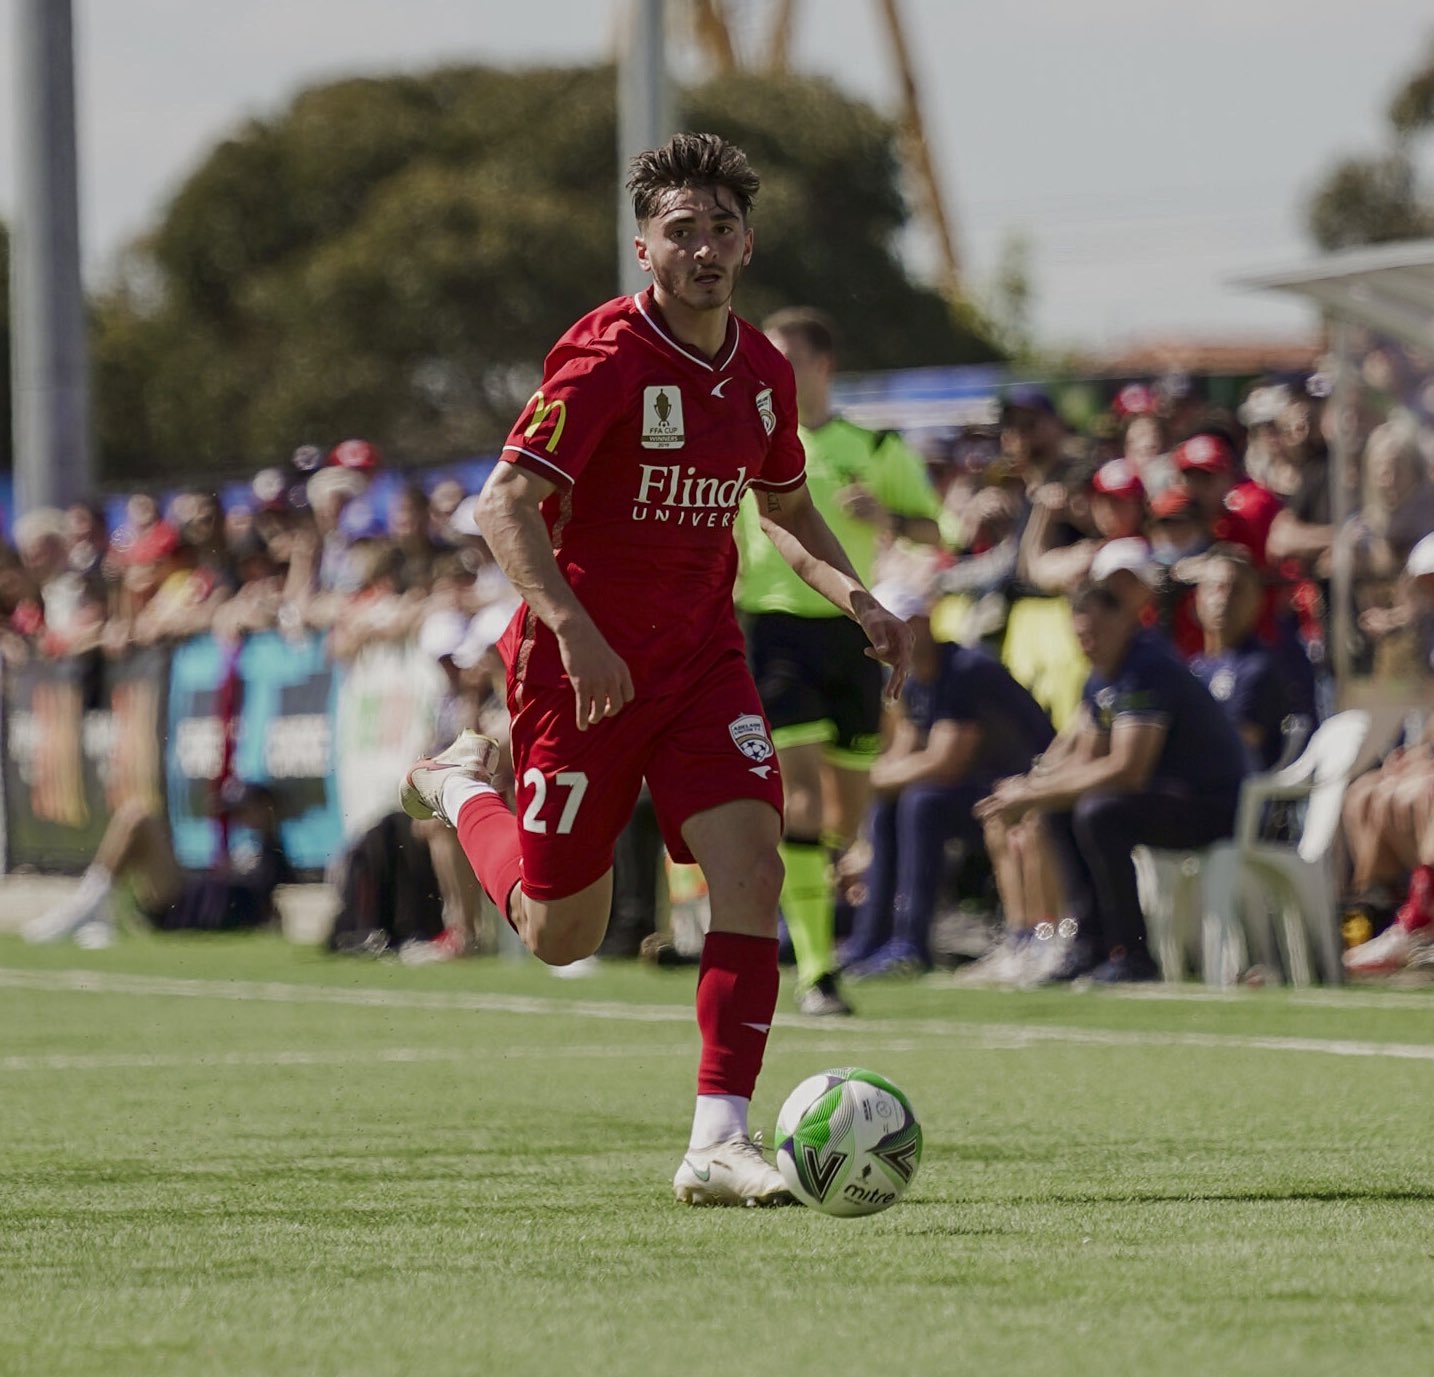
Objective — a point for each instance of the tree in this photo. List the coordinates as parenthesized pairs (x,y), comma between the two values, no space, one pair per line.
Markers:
(391,258)
(1377,199)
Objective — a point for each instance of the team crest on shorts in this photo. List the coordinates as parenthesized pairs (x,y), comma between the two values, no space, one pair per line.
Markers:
(766,410)
(749,732)
(662,418)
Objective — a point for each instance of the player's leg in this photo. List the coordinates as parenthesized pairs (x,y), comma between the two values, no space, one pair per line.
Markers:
(135,842)
(547,868)
(718,800)
(736,846)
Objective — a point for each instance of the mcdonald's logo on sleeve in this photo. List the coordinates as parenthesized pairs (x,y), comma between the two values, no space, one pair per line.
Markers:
(551,413)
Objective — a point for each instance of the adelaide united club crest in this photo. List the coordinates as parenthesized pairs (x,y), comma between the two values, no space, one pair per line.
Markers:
(749,735)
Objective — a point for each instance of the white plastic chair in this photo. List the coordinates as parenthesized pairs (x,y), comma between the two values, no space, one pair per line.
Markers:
(1184,894)
(1295,879)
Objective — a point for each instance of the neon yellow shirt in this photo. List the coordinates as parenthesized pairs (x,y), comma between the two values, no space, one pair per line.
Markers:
(838,454)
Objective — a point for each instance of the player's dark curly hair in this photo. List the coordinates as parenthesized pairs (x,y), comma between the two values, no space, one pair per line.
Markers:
(688,160)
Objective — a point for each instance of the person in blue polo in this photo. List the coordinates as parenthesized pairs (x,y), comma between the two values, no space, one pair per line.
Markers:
(964,723)
(1151,758)
(1236,666)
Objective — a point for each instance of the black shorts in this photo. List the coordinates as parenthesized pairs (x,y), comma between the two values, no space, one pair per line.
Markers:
(817,684)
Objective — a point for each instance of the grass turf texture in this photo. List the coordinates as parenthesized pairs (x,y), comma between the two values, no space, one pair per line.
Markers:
(226,1157)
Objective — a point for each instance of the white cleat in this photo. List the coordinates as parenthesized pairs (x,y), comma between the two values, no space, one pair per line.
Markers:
(730,1173)
(421,793)
(1393,950)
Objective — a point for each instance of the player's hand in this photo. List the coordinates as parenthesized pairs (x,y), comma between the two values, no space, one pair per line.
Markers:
(890,639)
(1007,801)
(602,683)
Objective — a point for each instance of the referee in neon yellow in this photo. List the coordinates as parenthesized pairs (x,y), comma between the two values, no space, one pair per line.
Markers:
(820,690)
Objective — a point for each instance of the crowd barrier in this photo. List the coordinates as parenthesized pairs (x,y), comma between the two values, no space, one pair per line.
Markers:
(166,726)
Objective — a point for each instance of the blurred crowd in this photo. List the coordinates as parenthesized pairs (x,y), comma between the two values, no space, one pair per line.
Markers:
(1215,526)
(328,544)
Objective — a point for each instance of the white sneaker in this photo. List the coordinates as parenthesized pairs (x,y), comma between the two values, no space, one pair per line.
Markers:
(730,1173)
(96,935)
(421,793)
(1392,950)
(1046,955)
(65,920)
(998,967)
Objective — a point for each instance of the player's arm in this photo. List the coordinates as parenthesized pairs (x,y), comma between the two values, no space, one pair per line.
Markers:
(950,748)
(513,526)
(795,526)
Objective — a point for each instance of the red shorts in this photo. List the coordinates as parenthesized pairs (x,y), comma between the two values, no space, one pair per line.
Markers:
(576,790)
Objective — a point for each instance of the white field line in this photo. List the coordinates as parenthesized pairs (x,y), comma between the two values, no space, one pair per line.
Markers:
(989,1035)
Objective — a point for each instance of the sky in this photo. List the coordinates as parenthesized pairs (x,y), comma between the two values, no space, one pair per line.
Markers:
(1147,151)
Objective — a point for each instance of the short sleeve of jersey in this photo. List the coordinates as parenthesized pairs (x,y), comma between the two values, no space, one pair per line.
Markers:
(899,481)
(786,463)
(1139,695)
(566,418)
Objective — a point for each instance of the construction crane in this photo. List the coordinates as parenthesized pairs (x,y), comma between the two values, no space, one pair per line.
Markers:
(720,28)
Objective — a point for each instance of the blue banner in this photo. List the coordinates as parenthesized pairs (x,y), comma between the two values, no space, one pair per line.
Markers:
(262,714)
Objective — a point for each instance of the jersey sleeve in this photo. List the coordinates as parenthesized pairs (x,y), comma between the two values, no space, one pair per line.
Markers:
(785,467)
(566,418)
(899,481)
(1141,695)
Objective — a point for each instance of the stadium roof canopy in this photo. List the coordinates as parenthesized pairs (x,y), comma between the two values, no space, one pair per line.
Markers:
(1389,289)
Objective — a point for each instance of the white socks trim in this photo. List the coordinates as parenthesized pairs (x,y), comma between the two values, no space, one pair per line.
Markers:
(457,791)
(718,1118)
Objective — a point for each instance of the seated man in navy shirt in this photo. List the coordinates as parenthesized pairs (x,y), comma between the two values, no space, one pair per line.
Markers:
(1150,759)
(965,722)
(1237,667)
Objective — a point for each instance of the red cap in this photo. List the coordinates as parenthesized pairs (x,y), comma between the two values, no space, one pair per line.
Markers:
(155,544)
(356,454)
(1208,453)
(1118,478)
(1135,399)
(1174,501)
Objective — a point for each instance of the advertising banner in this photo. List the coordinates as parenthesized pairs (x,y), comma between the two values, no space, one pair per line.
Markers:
(82,736)
(263,714)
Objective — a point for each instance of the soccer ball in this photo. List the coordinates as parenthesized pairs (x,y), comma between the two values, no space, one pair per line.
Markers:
(848,1142)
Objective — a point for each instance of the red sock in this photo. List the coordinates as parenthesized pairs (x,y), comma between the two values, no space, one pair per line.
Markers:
(736,996)
(1417,910)
(488,833)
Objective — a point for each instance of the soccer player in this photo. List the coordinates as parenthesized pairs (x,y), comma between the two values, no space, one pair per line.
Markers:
(821,692)
(612,517)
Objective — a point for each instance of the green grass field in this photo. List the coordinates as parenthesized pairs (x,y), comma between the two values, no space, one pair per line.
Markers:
(228,1157)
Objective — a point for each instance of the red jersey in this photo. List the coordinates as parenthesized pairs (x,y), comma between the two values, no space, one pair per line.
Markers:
(1250,511)
(651,447)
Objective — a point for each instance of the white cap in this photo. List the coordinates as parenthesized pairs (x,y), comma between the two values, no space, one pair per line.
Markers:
(465,517)
(1421,558)
(1128,552)
(442,633)
(901,599)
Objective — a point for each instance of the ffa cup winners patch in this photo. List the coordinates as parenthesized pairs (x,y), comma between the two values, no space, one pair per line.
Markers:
(766,410)
(749,732)
(662,418)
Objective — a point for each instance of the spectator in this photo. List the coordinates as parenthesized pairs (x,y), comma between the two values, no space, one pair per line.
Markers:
(40,539)
(964,723)
(136,848)
(1150,759)
(1237,668)
(408,529)
(87,534)
(1108,505)
(1396,513)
